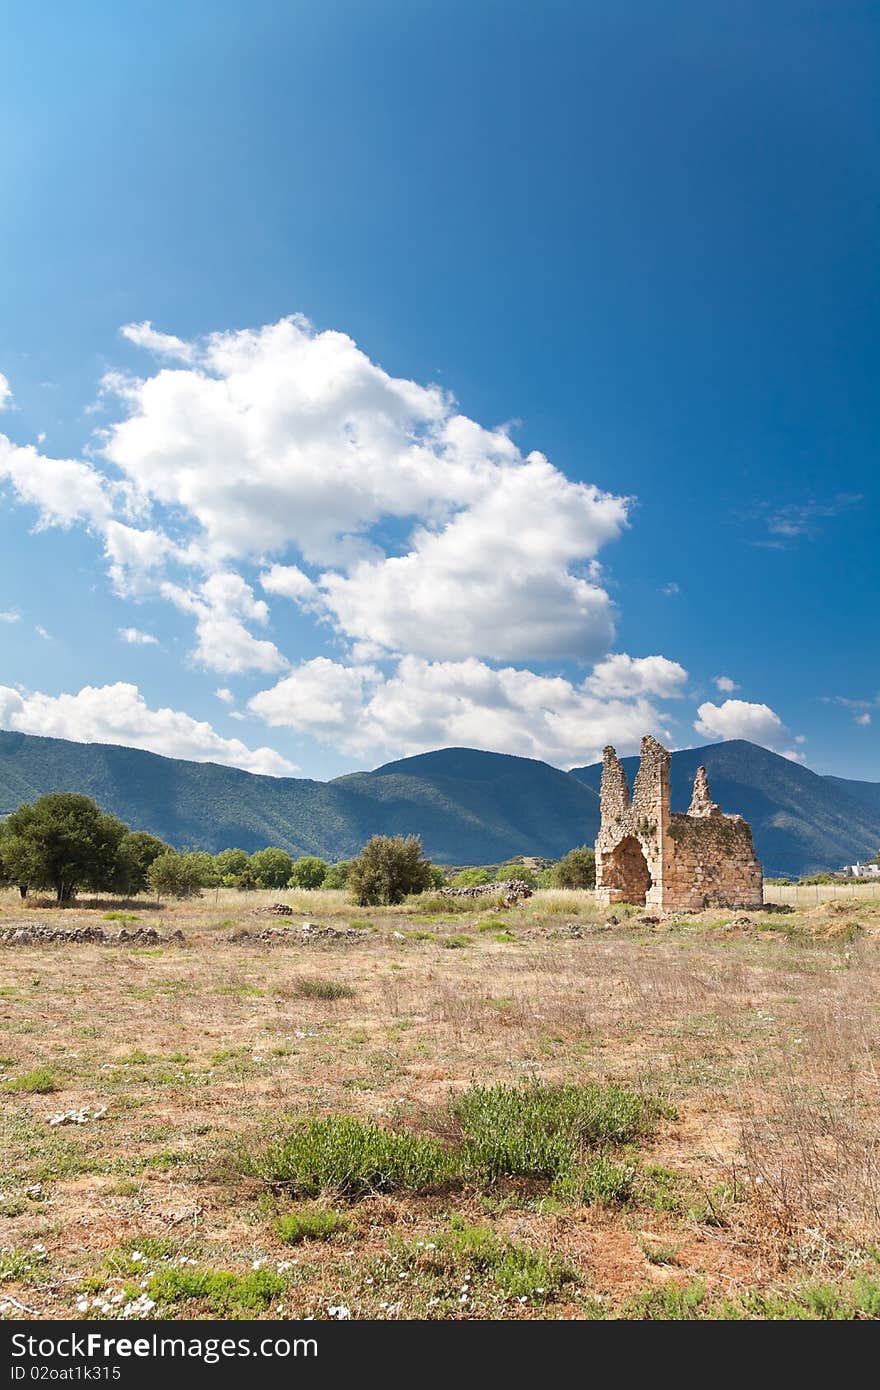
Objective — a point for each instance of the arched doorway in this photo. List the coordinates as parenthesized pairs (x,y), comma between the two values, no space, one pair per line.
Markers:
(629,872)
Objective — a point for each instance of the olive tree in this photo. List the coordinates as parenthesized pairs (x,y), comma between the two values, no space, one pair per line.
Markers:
(62,841)
(388,869)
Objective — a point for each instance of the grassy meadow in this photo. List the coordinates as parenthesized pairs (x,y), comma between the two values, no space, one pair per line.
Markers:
(553,1111)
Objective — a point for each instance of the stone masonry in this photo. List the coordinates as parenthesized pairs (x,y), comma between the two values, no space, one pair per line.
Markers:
(650,855)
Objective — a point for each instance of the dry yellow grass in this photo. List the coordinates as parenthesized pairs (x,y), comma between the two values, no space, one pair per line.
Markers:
(764,1038)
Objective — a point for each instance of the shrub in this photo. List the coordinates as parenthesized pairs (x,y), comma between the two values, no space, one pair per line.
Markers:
(352,1157)
(310,1223)
(307,872)
(388,869)
(576,870)
(176,875)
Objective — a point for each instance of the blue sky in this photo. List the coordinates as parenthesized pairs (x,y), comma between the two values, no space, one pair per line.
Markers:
(511,378)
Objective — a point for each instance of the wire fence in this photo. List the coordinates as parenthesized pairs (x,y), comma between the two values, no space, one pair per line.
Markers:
(803,894)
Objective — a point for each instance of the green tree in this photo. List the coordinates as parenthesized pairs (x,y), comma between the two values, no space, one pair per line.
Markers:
(272,867)
(514,868)
(475,876)
(230,864)
(576,870)
(388,869)
(137,850)
(308,872)
(337,875)
(174,875)
(62,841)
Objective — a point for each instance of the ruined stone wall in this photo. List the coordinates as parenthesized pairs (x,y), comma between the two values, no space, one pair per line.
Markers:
(645,854)
(712,864)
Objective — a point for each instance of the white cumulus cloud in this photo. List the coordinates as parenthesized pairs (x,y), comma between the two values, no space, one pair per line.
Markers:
(620,675)
(426,705)
(136,638)
(740,719)
(5,393)
(725,684)
(119,714)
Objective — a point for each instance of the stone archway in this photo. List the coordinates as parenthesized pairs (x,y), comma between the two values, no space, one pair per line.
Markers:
(628,874)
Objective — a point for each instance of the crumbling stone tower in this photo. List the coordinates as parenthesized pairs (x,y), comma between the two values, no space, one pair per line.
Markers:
(649,855)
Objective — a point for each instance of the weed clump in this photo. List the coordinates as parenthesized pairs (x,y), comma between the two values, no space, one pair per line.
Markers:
(322,989)
(310,1223)
(352,1157)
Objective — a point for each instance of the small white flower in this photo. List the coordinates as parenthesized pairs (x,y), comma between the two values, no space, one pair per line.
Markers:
(258,1264)
(339,1312)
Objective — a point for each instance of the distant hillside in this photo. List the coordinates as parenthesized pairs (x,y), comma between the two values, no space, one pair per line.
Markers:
(802,823)
(469,807)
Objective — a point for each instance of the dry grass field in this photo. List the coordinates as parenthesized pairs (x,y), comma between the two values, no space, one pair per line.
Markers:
(722,1078)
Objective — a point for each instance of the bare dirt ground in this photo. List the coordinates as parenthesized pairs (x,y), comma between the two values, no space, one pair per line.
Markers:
(759,1032)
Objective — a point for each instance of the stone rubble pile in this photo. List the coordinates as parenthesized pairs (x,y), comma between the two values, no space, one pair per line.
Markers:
(298,936)
(512,890)
(32,935)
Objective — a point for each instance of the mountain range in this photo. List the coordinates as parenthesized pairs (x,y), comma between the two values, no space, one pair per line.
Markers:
(469,806)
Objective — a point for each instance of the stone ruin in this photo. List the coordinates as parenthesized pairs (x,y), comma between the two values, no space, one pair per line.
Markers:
(652,856)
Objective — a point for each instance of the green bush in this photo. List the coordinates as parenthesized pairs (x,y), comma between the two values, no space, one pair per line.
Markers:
(174,875)
(389,869)
(576,870)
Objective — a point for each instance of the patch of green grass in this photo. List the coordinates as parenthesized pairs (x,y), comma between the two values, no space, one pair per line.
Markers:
(14,1264)
(667,1303)
(220,1291)
(138,1255)
(322,989)
(310,1223)
(598,1181)
(559,1133)
(39,1082)
(352,1157)
(245,991)
(515,1269)
(120,917)
(539,1130)
(456,943)
(492,924)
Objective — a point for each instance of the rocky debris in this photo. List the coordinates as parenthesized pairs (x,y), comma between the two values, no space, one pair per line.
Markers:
(297,936)
(280,910)
(77,1117)
(32,935)
(648,921)
(511,890)
(612,921)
